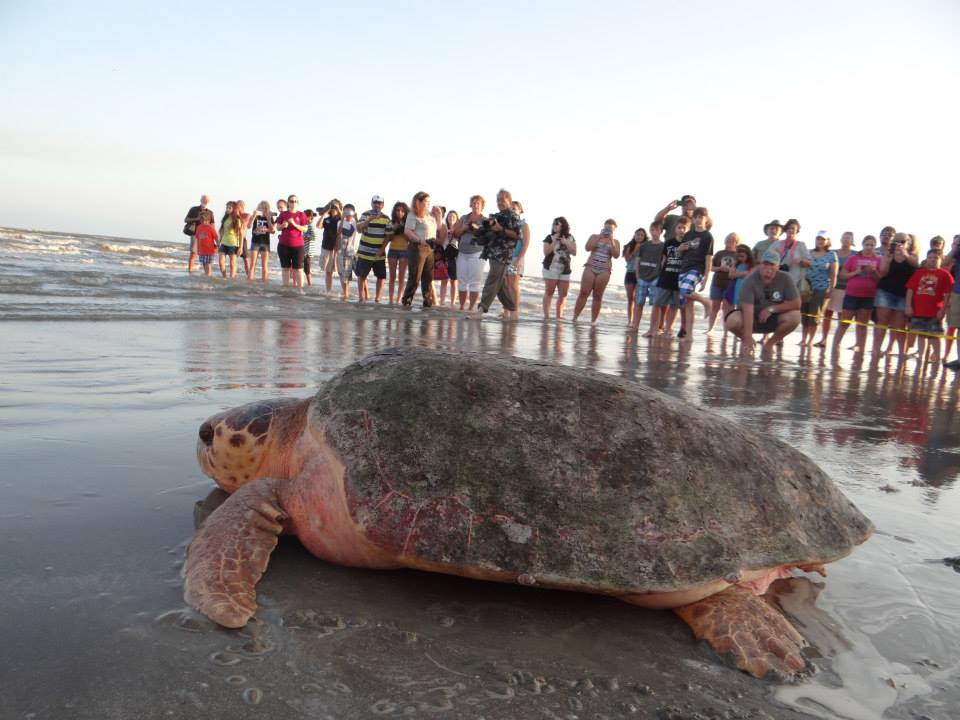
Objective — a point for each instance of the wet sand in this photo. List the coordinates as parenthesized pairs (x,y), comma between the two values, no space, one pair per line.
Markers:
(96,505)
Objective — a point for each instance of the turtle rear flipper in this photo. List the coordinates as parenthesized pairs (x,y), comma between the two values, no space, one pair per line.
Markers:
(230,552)
(742,625)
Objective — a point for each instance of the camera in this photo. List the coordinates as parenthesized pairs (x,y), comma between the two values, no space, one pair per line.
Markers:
(273,215)
(483,234)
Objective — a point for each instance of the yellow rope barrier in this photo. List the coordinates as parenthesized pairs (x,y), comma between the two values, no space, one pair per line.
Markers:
(906,331)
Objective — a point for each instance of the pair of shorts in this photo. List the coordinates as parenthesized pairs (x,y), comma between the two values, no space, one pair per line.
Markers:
(206,260)
(953,312)
(851,303)
(291,257)
(885,299)
(688,281)
(811,311)
(228,250)
(396,254)
(717,293)
(470,272)
(630,278)
(665,297)
(364,266)
(451,267)
(555,272)
(306,264)
(328,261)
(646,290)
(345,266)
(836,300)
(759,328)
(927,325)
(260,246)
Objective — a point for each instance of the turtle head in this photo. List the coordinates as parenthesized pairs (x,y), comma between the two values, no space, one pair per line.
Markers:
(251,441)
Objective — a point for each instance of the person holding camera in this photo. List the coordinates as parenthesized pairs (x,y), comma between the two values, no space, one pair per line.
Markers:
(329,221)
(603,248)
(862,272)
(262,228)
(469,262)
(292,223)
(501,231)
(687,204)
(558,249)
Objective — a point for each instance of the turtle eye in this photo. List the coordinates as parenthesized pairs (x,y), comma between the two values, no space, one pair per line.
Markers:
(206,434)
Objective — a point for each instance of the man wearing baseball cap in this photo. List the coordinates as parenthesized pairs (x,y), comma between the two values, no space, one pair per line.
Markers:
(371,253)
(769,303)
(687,204)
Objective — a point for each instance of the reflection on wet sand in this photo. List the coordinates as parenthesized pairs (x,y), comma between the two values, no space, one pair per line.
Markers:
(100,476)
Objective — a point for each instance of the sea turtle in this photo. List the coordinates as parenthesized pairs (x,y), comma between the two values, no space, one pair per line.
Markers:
(524,472)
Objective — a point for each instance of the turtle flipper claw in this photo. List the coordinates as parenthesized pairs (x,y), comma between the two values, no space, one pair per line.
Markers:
(742,625)
(230,552)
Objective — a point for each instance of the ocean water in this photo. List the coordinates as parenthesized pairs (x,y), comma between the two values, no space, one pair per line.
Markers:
(111,358)
(60,275)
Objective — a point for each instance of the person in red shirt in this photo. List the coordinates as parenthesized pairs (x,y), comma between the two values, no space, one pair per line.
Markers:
(292,223)
(927,290)
(206,239)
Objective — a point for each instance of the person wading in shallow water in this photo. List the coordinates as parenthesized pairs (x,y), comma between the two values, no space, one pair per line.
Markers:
(190,223)
(504,232)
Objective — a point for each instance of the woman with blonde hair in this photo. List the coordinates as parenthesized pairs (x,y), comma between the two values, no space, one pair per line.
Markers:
(231,235)
(262,228)
(723,264)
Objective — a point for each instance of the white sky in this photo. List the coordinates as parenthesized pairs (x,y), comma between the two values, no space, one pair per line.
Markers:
(117,116)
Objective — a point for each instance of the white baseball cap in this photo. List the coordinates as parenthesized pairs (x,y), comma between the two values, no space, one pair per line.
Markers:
(822,233)
(376,199)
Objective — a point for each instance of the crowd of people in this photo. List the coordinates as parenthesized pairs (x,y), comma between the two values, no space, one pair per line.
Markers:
(770,289)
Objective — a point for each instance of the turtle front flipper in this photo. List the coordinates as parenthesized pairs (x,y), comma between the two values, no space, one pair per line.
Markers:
(738,623)
(230,552)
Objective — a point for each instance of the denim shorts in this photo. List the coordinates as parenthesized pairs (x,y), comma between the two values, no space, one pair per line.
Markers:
(717,293)
(646,290)
(630,278)
(851,303)
(927,325)
(886,299)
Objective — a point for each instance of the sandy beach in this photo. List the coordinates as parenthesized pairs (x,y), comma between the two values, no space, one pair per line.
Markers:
(100,483)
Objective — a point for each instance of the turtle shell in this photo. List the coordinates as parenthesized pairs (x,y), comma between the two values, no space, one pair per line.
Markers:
(487,463)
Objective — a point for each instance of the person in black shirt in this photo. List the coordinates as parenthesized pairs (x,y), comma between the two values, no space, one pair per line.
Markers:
(696,256)
(330,215)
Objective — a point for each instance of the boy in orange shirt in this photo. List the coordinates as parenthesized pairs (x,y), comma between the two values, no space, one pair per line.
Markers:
(206,237)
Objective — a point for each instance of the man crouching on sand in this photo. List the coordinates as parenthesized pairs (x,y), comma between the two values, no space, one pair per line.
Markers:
(769,303)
